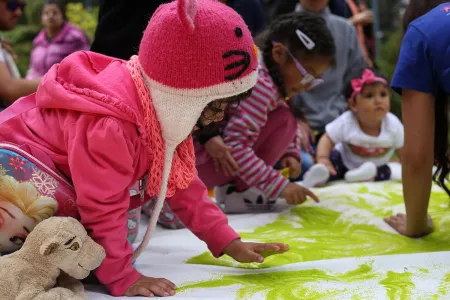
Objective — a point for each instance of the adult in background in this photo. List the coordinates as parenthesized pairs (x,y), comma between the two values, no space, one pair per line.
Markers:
(56,40)
(422,77)
(121,24)
(12,86)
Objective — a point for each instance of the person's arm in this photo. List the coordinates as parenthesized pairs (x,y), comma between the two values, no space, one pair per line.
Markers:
(399,153)
(202,217)
(101,166)
(324,147)
(362,18)
(417,158)
(334,134)
(240,133)
(416,57)
(323,151)
(205,219)
(294,149)
(12,89)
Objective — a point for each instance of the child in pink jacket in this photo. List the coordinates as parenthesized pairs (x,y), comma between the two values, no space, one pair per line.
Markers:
(98,125)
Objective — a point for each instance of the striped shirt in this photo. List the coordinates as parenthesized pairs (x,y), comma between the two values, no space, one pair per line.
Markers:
(242,131)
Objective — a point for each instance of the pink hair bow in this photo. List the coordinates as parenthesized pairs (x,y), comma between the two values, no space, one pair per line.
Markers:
(368,77)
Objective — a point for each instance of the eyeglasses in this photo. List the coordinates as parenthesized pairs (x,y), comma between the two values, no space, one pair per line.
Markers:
(12,5)
(307,78)
(218,107)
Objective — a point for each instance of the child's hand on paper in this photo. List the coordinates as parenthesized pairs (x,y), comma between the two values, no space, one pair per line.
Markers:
(149,287)
(253,252)
(296,194)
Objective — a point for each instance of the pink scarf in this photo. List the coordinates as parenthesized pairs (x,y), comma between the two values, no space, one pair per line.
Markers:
(183,168)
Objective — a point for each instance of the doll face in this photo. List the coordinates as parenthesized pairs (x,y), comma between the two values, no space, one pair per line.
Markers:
(14,227)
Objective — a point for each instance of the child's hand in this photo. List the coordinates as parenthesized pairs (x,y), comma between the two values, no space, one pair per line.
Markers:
(295,168)
(296,194)
(253,252)
(149,287)
(221,155)
(363,18)
(327,162)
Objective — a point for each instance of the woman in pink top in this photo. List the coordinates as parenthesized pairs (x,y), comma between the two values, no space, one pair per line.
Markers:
(58,39)
(97,125)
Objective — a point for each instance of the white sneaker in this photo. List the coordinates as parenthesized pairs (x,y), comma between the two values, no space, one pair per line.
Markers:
(317,175)
(366,172)
(221,192)
(251,200)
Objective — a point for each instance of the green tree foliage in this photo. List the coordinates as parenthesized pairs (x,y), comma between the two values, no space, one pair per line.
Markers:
(30,24)
(83,18)
(387,62)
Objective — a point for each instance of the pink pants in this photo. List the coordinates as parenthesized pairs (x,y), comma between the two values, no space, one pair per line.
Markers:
(272,143)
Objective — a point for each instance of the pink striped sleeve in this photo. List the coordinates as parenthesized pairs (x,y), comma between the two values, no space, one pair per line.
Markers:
(243,130)
(295,148)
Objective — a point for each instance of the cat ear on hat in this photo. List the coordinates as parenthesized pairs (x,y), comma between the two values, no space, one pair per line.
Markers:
(187,11)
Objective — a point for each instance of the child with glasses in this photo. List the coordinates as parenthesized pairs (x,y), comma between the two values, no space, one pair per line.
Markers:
(238,159)
(358,145)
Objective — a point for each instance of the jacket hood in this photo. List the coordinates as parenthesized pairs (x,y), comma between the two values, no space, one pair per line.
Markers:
(88,82)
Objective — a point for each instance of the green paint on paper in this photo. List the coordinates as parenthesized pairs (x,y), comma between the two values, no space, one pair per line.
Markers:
(360,283)
(399,286)
(444,287)
(342,226)
(296,284)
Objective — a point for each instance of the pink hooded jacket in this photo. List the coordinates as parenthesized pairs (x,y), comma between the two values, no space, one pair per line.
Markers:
(86,124)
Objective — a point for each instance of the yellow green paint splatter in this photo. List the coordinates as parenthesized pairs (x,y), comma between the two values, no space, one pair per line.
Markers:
(342,225)
(361,283)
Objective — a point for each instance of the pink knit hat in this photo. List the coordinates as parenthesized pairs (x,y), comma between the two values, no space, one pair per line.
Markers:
(192,53)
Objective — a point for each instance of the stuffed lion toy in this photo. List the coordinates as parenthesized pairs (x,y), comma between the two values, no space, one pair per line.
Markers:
(58,252)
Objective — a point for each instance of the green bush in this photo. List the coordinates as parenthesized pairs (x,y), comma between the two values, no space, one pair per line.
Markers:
(23,34)
(21,38)
(82,18)
(389,55)
(33,12)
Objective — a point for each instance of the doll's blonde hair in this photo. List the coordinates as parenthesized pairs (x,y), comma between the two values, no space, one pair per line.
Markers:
(25,196)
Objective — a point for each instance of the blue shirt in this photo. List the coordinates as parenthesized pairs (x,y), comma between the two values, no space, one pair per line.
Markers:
(424,61)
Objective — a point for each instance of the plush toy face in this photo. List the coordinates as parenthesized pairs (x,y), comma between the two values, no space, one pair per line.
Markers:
(72,250)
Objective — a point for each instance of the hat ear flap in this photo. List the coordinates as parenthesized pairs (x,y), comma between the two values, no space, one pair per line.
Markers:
(187,11)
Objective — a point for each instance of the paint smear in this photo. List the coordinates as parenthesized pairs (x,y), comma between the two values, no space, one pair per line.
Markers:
(347,223)
(341,226)
(295,284)
(360,283)
(398,285)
